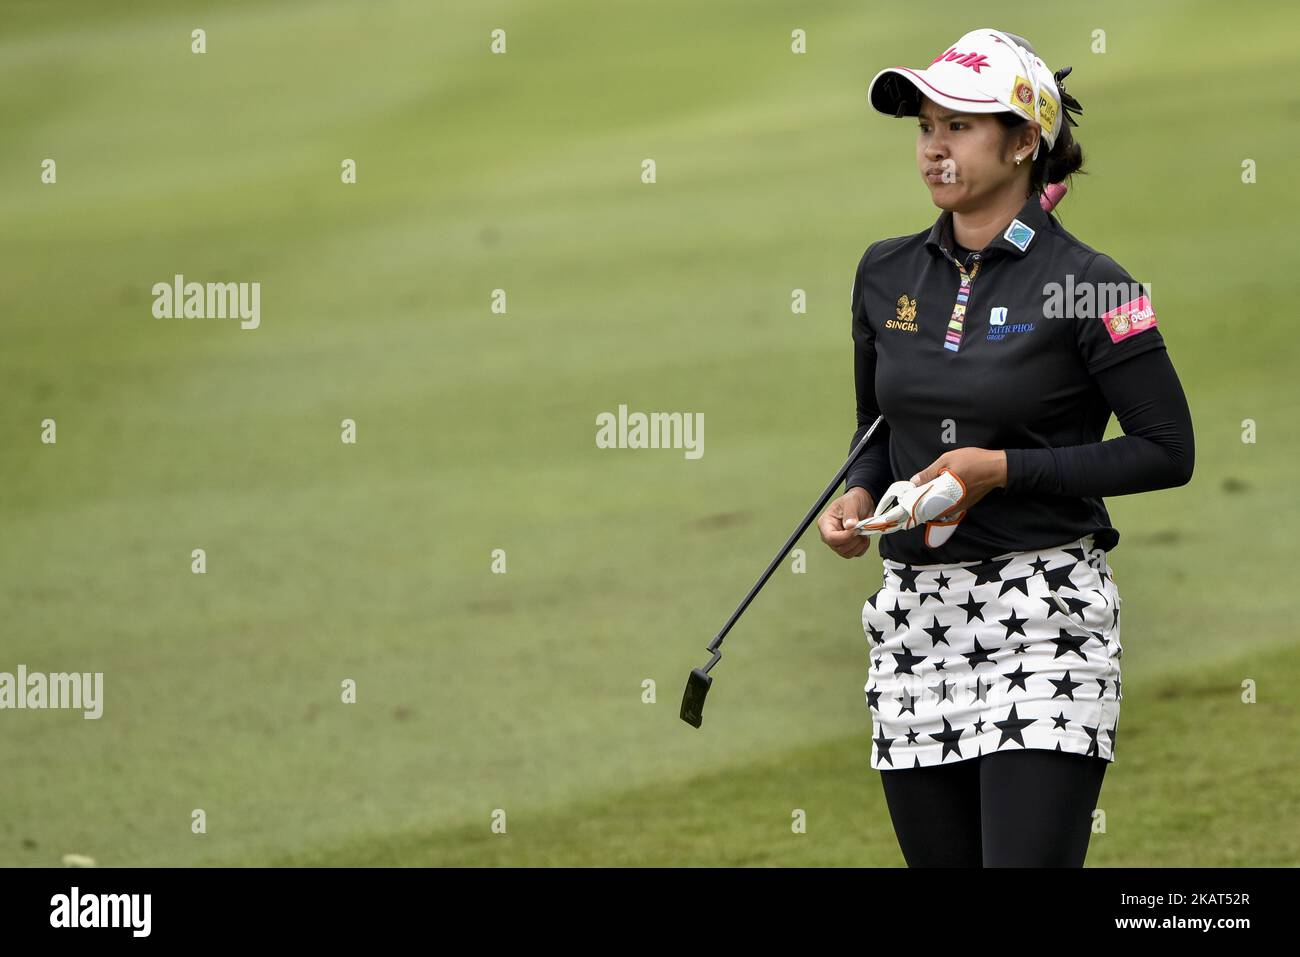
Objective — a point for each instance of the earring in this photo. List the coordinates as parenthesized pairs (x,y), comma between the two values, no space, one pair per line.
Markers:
(1018,158)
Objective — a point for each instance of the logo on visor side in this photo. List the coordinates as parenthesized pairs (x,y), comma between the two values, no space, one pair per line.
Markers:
(1022,95)
(1047,109)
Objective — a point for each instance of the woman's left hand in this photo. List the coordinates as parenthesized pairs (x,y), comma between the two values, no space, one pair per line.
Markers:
(980,470)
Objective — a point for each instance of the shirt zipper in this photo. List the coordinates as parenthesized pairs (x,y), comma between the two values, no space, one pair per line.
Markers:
(952,340)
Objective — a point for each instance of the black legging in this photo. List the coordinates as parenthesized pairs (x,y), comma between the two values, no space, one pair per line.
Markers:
(1029,808)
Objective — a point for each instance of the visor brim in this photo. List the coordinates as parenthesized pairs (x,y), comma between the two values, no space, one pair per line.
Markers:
(897,91)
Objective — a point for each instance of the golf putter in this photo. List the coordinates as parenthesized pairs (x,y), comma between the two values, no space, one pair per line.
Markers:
(699,682)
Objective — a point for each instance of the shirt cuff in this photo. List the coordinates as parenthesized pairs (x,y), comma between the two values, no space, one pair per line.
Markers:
(1030,469)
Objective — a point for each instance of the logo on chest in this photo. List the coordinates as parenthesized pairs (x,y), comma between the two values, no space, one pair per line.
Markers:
(999,328)
(905,315)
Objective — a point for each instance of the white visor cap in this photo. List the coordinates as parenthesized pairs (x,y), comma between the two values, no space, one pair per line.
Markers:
(986,71)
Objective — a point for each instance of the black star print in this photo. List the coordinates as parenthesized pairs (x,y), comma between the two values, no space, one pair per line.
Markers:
(877,636)
(943,663)
(972,607)
(1013,624)
(873,699)
(899,615)
(1015,584)
(1092,746)
(1038,565)
(941,582)
(1054,606)
(907,577)
(872,600)
(904,661)
(1064,686)
(989,571)
(1012,726)
(1111,734)
(980,691)
(1076,605)
(1115,623)
(1020,649)
(943,691)
(1079,553)
(911,736)
(949,736)
(1117,694)
(1067,643)
(1060,721)
(1018,677)
(906,702)
(978,656)
(1058,578)
(979,726)
(1103,682)
(930,594)
(937,632)
(882,747)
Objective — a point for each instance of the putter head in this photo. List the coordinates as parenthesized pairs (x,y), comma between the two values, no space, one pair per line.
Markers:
(697,687)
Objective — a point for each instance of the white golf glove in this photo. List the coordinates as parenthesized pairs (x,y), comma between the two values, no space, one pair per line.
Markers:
(905,506)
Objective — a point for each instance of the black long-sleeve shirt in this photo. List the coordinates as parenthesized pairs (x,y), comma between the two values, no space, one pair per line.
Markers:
(1157,449)
(1040,386)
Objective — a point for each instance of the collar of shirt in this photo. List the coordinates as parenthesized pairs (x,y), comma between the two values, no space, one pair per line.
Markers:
(1031,214)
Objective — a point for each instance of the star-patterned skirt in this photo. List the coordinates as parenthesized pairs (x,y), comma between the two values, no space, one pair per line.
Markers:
(1019,651)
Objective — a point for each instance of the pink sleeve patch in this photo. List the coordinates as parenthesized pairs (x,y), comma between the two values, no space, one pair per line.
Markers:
(1133,317)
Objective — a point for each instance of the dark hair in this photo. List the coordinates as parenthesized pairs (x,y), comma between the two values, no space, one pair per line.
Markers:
(1065,158)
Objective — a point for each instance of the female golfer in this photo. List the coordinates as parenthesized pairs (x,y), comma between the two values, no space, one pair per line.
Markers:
(997,345)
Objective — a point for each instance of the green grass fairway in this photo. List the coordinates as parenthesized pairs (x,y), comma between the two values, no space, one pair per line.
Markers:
(476,431)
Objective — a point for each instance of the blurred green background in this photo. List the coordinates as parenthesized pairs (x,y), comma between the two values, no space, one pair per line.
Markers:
(372,561)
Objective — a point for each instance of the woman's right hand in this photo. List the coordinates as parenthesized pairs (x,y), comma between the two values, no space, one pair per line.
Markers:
(836,523)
